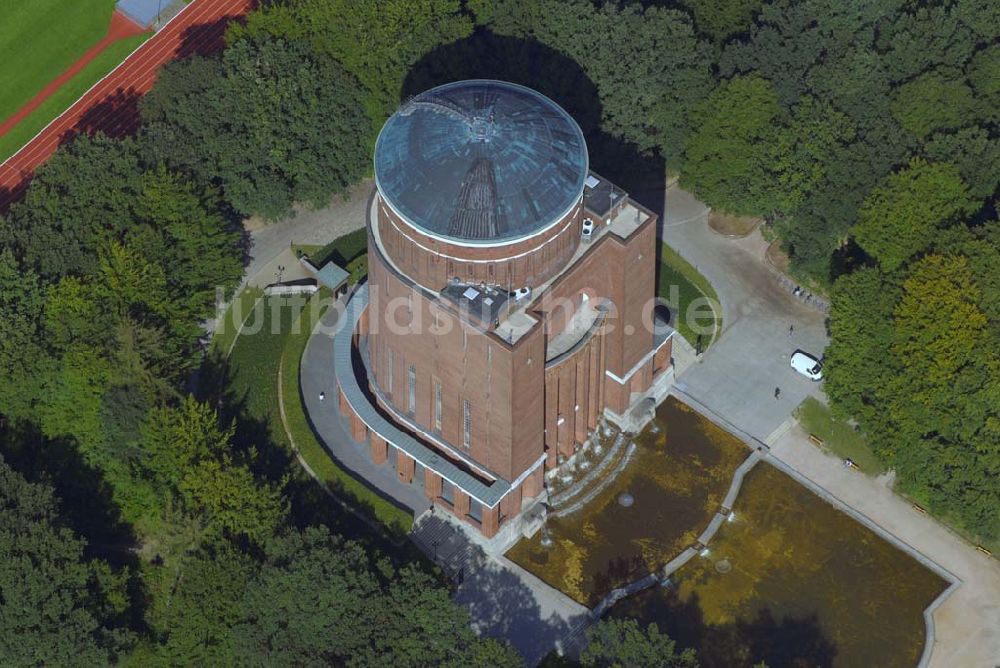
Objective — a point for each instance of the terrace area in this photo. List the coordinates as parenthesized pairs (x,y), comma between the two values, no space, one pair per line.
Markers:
(579,328)
(629,219)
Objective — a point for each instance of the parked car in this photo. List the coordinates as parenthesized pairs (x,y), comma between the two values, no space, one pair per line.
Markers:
(807,365)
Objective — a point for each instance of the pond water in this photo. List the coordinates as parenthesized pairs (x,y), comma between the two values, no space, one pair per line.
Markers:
(792,581)
(677,478)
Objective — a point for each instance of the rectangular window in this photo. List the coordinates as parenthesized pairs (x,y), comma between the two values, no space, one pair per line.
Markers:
(447,491)
(411,383)
(392,364)
(476,510)
(438,406)
(466,423)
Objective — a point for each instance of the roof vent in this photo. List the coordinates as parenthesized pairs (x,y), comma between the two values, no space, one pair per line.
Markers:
(522,293)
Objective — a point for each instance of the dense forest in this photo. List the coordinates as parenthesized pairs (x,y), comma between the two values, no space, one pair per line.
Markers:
(137,526)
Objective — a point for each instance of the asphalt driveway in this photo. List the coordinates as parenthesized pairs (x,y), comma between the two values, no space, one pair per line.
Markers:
(763,324)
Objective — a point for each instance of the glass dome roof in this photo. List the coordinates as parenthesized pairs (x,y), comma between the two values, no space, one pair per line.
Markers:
(481,161)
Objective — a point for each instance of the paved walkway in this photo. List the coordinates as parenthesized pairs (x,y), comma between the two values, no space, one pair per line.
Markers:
(735,380)
(503,599)
(308,226)
(967,624)
(737,376)
(317,375)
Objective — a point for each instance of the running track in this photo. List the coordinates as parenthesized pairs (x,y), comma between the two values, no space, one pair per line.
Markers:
(110,106)
(120,28)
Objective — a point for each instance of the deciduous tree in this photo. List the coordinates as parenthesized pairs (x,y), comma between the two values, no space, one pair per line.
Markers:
(900,214)
(936,100)
(280,124)
(621,643)
(725,155)
(56,607)
(377,41)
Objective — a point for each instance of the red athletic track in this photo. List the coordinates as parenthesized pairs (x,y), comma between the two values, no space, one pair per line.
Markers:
(120,28)
(111,105)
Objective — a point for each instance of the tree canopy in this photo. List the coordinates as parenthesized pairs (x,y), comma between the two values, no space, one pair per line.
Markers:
(622,643)
(277,124)
(377,41)
(56,606)
(728,152)
(901,213)
(866,134)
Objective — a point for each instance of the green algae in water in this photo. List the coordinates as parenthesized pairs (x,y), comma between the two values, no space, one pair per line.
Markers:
(678,478)
(806,586)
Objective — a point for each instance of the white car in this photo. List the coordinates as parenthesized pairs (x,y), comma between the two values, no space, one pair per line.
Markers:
(807,365)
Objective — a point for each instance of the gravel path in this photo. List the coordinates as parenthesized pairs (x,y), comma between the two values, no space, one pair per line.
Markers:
(308,226)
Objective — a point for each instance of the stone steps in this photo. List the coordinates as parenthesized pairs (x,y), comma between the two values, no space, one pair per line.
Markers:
(594,478)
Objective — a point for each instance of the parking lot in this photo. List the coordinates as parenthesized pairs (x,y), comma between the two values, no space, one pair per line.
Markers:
(737,376)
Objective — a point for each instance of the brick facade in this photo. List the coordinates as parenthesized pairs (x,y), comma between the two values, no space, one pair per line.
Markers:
(497,404)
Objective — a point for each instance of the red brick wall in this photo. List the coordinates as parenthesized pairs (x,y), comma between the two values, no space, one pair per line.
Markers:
(572,392)
(380,449)
(661,361)
(516,403)
(504,389)
(432,263)
(404,467)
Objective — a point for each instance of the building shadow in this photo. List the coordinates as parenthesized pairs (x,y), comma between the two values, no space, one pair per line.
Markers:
(500,603)
(86,506)
(618,572)
(485,55)
(502,606)
(789,642)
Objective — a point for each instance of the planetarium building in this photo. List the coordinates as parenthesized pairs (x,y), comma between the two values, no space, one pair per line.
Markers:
(508,304)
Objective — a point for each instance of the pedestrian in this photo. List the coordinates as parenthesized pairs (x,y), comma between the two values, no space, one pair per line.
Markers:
(322,396)
(791,328)
(777,392)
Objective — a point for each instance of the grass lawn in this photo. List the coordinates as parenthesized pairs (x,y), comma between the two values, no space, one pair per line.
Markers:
(40,39)
(276,333)
(342,250)
(228,328)
(681,285)
(838,436)
(61,99)
(345,485)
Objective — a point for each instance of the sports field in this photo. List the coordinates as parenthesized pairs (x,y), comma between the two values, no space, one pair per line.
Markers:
(68,93)
(39,39)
